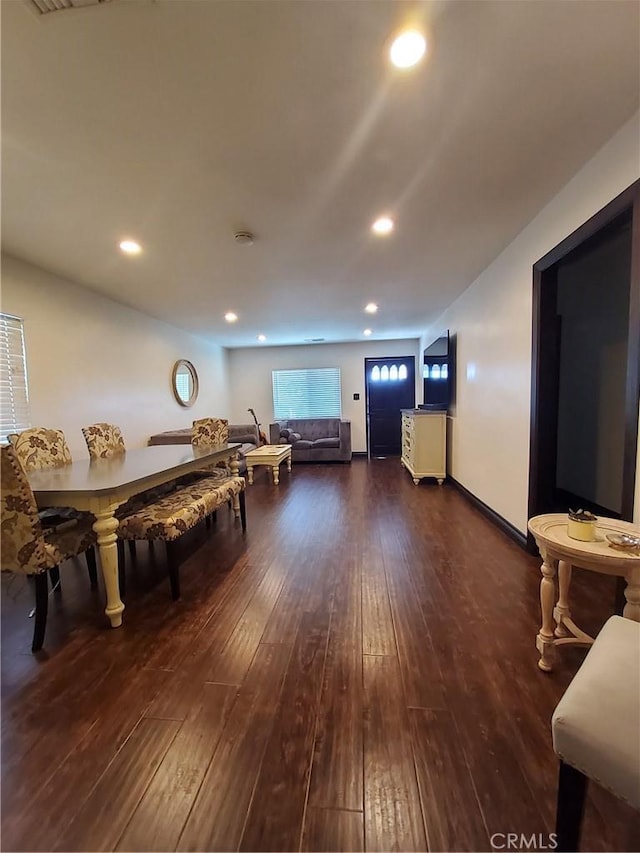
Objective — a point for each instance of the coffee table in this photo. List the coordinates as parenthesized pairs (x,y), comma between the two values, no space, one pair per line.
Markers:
(559,554)
(271,455)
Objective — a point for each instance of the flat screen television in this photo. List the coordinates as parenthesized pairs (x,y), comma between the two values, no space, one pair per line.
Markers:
(437,374)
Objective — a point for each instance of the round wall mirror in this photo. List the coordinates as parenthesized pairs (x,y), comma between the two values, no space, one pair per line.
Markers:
(184,382)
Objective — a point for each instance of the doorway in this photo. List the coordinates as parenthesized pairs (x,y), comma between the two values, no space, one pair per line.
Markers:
(586,366)
(390,386)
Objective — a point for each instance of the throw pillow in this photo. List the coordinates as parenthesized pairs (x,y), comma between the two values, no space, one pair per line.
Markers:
(293,437)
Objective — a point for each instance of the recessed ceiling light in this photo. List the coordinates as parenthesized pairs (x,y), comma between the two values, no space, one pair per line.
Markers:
(371,308)
(408,49)
(383,225)
(130,247)
(230,317)
(367,332)
(262,337)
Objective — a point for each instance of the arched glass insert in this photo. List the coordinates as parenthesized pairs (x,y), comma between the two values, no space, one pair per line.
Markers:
(402,372)
(425,371)
(393,373)
(375,374)
(435,371)
(444,371)
(384,373)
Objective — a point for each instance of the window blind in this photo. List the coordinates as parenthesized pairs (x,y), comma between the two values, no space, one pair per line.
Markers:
(14,394)
(313,393)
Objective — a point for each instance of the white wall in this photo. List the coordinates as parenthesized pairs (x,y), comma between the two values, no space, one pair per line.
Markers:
(250,377)
(91,359)
(492,321)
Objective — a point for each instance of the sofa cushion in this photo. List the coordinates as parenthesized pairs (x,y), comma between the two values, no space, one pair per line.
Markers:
(243,438)
(303,444)
(327,442)
(294,437)
(314,428)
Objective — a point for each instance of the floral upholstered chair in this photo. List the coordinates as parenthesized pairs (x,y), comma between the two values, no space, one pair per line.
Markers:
(103,440)
(209,432)
(39,448)
(27,547)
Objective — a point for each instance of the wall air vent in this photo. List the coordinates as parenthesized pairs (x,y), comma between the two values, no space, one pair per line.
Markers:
(313,340)
(43,7)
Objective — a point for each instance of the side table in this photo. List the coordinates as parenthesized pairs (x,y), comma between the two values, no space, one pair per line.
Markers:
(559,554)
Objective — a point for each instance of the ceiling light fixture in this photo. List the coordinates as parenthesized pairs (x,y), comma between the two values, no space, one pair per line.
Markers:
(371,308)
(383,225)
(244,238)
(408,49)
(262,337)
(130,247)
(230,317)
(367,332)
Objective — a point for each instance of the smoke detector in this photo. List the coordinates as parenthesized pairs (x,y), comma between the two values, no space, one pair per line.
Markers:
(244,238)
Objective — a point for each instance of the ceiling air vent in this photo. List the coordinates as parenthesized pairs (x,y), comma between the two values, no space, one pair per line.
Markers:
(314,340)
(43,7)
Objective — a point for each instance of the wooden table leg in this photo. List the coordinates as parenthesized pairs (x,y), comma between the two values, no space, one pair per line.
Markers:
(289,463)
(544,640)
(276,474)
(105,526)
(250,474)
(561,610)
(632,595)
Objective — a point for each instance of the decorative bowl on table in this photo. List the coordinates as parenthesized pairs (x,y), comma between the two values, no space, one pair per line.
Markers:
(581,525)
(624,542)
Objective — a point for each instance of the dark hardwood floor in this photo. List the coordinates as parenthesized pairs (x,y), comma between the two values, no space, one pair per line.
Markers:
(357,673)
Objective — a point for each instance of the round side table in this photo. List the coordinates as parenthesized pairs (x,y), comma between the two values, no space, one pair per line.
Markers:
(559,554)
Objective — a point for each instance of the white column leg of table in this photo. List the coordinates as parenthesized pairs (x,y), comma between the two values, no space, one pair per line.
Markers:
(289,463)
(632,594)
(250,474)
(544,640)
(275,470)
(105,526)
(561,610)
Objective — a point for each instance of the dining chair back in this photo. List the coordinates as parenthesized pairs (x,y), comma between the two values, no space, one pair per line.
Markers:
(103,440)
(210,431)
(40,447)
(29,548)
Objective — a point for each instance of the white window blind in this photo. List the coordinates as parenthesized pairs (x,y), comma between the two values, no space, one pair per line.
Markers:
(14,393)
(313,393)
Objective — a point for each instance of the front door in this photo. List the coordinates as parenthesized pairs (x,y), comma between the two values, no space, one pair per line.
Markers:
(390,386)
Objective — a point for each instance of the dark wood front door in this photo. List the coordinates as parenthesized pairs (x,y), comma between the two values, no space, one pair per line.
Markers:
(390,386)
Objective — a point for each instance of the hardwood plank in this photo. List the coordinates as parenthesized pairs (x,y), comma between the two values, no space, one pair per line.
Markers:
(329,830)
(452,813)
(378,636)
(184,686)
(101,820)
(275,817)
(421,674)
(392,810)
(58,788)
(230,665)
(158,820)
(336,774)
(219,812)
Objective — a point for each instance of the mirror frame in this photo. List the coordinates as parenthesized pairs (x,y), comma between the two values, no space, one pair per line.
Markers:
(182,362)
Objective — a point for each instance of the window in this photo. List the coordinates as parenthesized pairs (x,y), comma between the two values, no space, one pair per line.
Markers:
(395,373)
(14,394)
(313,393)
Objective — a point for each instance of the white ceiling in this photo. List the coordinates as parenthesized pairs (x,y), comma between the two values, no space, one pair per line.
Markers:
(179,122)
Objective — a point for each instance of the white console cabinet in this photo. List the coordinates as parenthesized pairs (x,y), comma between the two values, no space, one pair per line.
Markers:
(424,444)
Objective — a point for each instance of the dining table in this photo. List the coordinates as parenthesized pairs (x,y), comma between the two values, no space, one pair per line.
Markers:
(100,486)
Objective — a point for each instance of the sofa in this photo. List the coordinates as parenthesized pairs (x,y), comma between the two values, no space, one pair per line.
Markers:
(245,434)
(314,439)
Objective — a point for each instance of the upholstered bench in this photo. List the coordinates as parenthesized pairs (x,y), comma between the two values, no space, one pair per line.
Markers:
(596,727)
(173,515)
